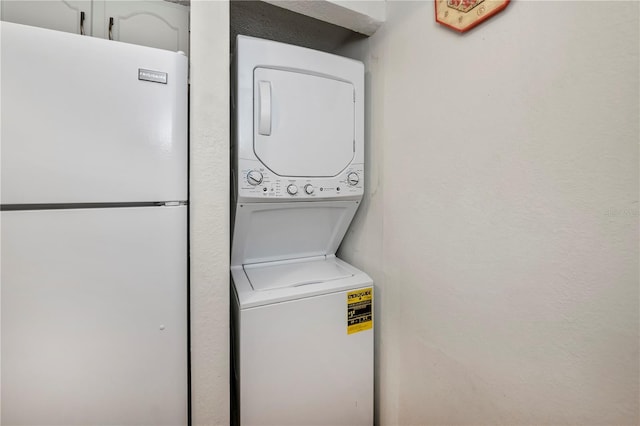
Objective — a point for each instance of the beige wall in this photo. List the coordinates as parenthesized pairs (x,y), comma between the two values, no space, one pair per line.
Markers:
(209,208)
(501,216)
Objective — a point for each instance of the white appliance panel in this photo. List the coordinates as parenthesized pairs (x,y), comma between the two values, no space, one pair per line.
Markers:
(304,123)
(266,232)
(303,368)
(277,188)
(78,126)
(94,316)
(299,121)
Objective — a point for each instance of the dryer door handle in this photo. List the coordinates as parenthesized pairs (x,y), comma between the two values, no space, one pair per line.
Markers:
(264,108)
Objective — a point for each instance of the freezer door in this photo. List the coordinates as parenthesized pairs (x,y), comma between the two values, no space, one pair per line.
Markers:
(94,317)
(304,124)
(82,121)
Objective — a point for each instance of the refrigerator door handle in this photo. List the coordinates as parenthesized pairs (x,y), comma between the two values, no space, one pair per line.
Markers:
(81,23)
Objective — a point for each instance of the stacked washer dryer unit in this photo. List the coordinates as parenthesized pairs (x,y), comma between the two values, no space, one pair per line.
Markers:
(302,318)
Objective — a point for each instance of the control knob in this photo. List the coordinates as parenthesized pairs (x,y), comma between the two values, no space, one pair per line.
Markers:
(292,189)
(353,178)
(308,188)
(254,177)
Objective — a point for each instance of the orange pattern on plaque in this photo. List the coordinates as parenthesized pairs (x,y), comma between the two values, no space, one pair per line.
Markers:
(463,5)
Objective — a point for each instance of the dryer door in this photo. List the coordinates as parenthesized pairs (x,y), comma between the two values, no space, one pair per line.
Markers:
(303,124)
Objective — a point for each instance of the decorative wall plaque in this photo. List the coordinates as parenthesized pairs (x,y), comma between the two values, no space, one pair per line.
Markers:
(462,15)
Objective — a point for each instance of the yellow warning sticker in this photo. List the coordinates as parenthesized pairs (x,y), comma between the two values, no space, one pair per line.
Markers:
(359,310)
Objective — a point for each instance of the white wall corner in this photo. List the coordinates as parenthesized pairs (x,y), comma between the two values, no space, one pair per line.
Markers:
(362,16)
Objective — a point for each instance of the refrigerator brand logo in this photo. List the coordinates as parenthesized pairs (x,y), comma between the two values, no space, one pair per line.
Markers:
(154,76)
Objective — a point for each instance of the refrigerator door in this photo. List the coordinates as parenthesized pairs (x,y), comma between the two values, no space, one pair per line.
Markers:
(94,316)
(86,120)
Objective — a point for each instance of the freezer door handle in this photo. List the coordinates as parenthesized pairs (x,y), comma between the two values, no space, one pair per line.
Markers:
(264,108)
(81,23)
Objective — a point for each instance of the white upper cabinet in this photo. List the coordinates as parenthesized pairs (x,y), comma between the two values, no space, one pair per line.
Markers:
(69,16)
(153,23)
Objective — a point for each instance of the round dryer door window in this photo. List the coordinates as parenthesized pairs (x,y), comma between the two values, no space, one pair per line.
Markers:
(303,124)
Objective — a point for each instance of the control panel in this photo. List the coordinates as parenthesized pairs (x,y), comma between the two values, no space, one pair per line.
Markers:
(256,183)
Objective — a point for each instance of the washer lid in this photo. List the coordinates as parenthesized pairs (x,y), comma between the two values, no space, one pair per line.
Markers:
(248,297)
(294,273)
(303,124)
(267,232)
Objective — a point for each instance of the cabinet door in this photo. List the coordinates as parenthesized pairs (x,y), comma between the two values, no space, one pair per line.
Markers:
(70,16)
(152,23)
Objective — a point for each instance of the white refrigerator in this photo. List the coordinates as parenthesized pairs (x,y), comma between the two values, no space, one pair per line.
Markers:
(93,157)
